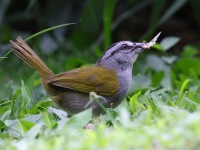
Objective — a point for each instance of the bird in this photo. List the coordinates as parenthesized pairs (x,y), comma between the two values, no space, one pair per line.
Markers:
(110,77)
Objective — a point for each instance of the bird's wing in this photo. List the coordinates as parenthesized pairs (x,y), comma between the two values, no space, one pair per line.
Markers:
(96,79)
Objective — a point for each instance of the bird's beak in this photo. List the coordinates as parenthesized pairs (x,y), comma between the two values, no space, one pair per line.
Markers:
(138,47)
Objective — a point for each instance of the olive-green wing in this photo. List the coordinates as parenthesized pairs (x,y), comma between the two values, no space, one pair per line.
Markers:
(87,80)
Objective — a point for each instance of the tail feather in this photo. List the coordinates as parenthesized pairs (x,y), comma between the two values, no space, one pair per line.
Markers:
(24,52)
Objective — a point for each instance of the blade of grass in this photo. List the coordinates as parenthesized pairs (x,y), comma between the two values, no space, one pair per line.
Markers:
(180,95)
(130,12)
(134,101)
(37,34)
(46,30)
(175,6)
(107,20)
(158,6)
(172,10)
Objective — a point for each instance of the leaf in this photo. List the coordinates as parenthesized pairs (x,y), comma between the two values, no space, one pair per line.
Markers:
(60,113)
(158,47)
(134,101)
(16,94)
(189,67)
(32,133)
(169,59)
(12,128)
(5,115)
(189,51)
(24,126)
(156,78)
(25,95)
(46,119)
(112,115)
(81,119)
(31,81)
(169,42)
(2,126)
(16,104)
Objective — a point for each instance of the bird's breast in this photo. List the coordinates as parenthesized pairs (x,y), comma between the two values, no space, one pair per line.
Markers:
(124,84)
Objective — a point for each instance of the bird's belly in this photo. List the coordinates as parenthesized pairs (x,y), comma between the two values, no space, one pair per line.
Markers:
(74,102)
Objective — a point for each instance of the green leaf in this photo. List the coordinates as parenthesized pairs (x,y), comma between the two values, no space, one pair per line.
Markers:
(16,104)
(189,67)
(189,51)
(158,47)
(46,119)
(60,113)
(80,120)
(16,94)
(24,126)
(31,81)
(2,126)
(33,132)
(134,101)
(156,78)
(25,95)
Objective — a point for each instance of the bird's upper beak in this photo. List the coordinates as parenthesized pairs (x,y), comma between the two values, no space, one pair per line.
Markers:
(139,45)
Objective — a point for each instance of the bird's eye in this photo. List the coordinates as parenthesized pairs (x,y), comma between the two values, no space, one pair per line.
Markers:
(124,46)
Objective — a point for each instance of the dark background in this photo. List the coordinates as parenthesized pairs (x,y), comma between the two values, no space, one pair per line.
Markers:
(83,43)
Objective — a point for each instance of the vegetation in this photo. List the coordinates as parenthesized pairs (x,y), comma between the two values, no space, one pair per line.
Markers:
(162,109)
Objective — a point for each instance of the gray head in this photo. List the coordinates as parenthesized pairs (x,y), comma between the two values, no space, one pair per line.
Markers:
(120,56)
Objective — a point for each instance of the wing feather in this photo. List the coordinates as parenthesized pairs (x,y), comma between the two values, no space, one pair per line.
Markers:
(87,80)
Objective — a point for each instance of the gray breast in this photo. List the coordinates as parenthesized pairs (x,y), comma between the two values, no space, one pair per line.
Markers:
(124,80)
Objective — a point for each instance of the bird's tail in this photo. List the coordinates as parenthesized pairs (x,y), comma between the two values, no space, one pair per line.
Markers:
(24,52)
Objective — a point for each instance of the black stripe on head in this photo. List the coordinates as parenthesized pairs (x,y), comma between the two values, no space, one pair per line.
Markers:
(111,54)
(120,48)
(106,51)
